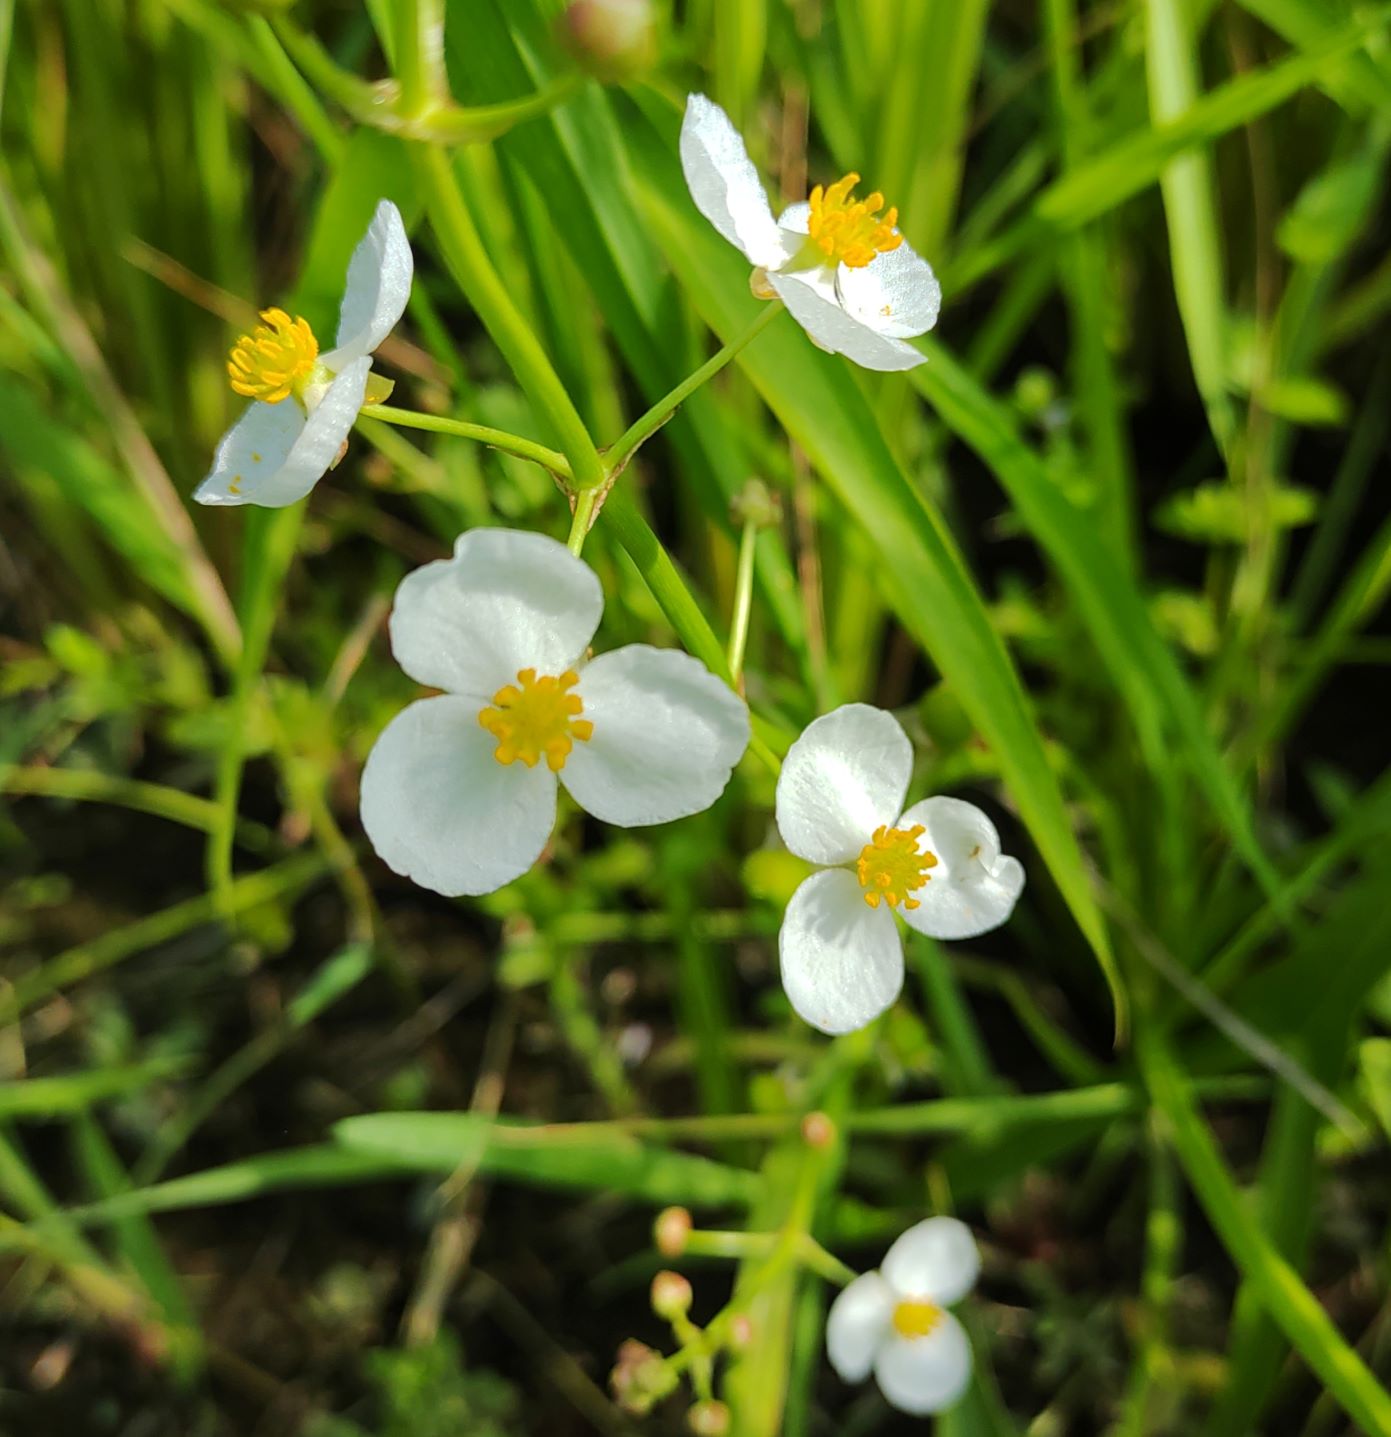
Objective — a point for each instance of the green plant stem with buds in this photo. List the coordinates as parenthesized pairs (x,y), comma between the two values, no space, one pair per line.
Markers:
(739,1245)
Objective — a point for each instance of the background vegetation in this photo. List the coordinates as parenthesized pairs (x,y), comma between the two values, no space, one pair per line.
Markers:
(1116,555)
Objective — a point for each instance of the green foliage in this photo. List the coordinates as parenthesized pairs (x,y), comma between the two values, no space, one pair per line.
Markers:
(428,1392)
(1117,555)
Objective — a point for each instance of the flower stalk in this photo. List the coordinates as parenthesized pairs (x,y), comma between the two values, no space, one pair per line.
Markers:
(643,428)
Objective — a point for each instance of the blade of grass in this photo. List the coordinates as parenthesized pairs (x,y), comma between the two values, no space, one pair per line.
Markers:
(1295,1309)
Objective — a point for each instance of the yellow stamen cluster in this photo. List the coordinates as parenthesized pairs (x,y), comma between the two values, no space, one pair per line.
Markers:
(848,230)
(269,362)
(539,717)
(916,1319)
(891,867)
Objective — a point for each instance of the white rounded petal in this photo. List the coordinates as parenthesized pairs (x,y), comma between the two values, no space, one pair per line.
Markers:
(724,183)
(667,734)
(441,811)
(273,455)
(974,887)
(377,288)
(844,776)
(508,600)
(856,1325)
(922,1375)
(936,1261)
(828,325)
(895,294)
(842,961)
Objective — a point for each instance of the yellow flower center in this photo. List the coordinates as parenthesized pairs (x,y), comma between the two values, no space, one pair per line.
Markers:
(537,716)
(916,1319)
(274,359)
(848,230)
(891,867)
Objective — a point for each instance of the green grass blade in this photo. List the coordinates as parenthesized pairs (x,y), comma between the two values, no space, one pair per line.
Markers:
(1296,1310)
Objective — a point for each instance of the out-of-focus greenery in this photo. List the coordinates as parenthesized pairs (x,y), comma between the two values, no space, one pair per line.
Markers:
(1116,555)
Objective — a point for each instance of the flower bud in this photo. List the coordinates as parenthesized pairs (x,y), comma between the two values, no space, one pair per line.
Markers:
(639,1377)
(708,1419)
(671,1295)
(756,504)
(613,40)
(740,1333)
(818,1131)
(670,1231)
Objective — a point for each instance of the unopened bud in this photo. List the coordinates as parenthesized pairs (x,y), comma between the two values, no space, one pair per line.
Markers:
(818,1131)
(613,39)
(740,1333)
(639,1377)
(755,503)
(671,1295)
(670,1231)
(708,1419)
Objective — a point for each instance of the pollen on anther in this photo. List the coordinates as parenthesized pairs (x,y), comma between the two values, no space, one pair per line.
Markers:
(536,718)
(849,231)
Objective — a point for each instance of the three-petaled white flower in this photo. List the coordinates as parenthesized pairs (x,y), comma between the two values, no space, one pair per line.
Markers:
(307,402)
(840,801)
(841,266)
(455,794)
(895,1323)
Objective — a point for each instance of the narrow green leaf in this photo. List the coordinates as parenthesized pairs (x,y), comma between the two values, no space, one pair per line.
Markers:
(563,1157)
(1297,1311)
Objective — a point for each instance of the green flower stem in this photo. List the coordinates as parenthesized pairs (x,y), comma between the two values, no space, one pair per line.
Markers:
(419,59)
(739,1245)
(938,1117)
(584,517)
(743,599)
(512,444)
(642,429)
(349,91)
(460,125)
(466,256)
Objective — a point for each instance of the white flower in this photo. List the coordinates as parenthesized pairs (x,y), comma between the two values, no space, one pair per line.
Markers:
(848,276)
(895,1323)
(454,794)
(307,402)
(840,801)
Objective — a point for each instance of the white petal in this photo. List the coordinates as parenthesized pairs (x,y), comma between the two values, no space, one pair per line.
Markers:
(252,450)
(844,776)
(936,1261)
(795,218)
(922,1375)
(895,294)
(667,734)
(507,600)
(724,184)
(856,1324)
(441,810)
(974,887)
(273,455)
(378,286)
(832,328)
(842,961)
